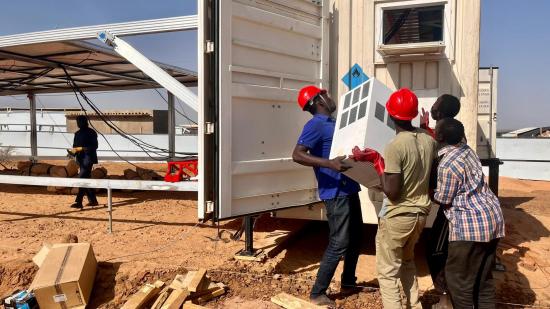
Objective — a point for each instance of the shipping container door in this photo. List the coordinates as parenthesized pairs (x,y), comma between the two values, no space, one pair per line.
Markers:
(262,53)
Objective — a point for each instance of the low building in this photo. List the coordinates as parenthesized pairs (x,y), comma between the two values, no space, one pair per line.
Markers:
(129,121)
(532,132)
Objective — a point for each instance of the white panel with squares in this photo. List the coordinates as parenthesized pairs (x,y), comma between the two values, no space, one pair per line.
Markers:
(362,119)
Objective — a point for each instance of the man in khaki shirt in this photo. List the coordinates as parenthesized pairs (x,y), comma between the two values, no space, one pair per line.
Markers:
(405,181)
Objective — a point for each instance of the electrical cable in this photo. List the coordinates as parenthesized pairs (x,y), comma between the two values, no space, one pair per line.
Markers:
(146,147)
(182,113)
(102,135)
(26,80)
(141,144)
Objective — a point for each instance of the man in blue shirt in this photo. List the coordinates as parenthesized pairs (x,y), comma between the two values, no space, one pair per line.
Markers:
(338,192)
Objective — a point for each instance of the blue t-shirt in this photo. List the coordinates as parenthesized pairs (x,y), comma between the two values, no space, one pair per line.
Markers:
(317,138)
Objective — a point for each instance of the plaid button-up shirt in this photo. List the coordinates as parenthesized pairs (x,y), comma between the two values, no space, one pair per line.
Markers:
(475,213)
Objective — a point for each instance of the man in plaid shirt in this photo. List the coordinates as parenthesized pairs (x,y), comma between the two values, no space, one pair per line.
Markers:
(475,219)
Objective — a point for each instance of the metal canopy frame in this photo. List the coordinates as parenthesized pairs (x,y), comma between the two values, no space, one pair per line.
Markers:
(38,68)
(37,62)
(33,63)
(170,24)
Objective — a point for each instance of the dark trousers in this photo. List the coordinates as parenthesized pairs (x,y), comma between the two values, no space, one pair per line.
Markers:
(345,227)
(436,250)
(469,273)
(85,172)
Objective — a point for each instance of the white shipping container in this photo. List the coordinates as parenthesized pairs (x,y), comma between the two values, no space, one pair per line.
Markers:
(254,56)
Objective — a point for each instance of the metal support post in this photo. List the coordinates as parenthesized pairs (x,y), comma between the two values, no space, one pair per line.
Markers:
(249,235)
(249,253)
(34,138)
(171,126)
(110,208)
(493,175)
(494,167)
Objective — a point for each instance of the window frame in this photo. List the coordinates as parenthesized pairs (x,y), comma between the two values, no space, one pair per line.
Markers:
(441,49)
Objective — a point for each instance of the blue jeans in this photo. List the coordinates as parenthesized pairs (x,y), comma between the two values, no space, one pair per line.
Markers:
(345,224)
(85,172)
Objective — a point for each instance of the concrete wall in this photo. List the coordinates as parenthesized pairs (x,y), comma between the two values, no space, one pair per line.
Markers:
(54,145)
(20,121)
(128,124)
(524,158)
(354,40)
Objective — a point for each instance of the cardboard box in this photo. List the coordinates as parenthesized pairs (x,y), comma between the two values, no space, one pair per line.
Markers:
(66,277)
(362,172)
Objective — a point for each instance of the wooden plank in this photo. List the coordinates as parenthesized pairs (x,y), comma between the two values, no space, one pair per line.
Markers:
(176,299)
(291,302)
(181,281)
(211,295)
(196,282)
(190,305)
(212,286)
(162,298)
(144,295)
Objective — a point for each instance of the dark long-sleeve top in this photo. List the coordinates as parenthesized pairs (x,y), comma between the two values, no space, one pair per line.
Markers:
(87,138)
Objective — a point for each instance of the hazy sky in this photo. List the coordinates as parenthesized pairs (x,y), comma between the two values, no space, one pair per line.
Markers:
(514,37)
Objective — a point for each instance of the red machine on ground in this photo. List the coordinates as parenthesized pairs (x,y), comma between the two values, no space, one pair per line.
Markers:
(180,170)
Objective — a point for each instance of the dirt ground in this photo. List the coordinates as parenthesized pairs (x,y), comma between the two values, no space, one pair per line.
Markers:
(156,235)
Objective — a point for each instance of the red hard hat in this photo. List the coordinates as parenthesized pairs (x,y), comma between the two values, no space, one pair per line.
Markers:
(307,94)
(403,104)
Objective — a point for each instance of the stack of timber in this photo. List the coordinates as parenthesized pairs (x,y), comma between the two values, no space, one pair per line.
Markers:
(184,292)
(28,168)
(69,170)
(141,174)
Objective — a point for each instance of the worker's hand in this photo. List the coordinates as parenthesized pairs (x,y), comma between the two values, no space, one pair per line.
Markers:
(424,119)
(75,150)
(369,155)
(338,164)
(425,122)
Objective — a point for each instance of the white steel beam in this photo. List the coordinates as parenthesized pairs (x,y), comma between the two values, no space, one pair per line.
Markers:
(146,185)
(179,23)
(151,69)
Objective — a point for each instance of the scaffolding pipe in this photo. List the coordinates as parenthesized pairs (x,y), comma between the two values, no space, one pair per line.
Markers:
(171,126)
(34,138)
(110,208)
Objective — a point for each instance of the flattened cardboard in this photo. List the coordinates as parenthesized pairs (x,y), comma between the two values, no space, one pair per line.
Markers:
(362,172)
(66,276)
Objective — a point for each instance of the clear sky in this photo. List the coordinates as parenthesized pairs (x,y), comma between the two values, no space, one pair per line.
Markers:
(514,36)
